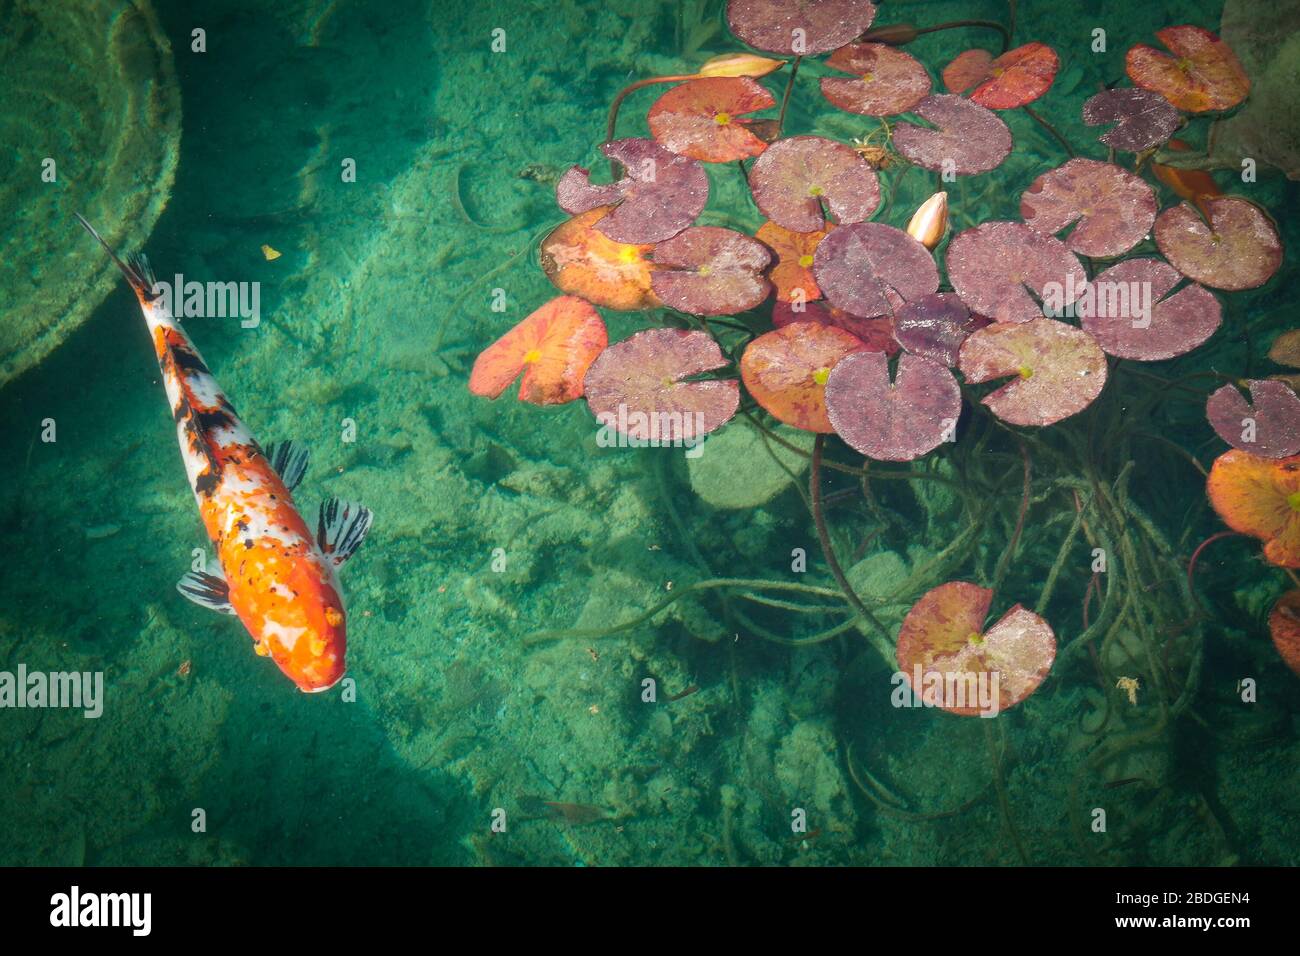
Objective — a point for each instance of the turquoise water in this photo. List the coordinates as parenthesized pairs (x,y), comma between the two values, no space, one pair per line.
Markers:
(463,715)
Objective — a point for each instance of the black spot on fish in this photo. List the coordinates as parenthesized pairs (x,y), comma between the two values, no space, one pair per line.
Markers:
(214,418)
(206,483)
(248,542)
(186,359)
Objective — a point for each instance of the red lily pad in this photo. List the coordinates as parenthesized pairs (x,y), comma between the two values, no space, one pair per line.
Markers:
(1113,208)
(1260,497)
(660,194)
(1284,628)
(1269,429)
(798,179)
(792,275)
(1143,119)
(944,638)
(1124,309)
(876,335)
(786,371)
(799,27)
(859,265)
(1202,75)
(553,347)
(887,80)
(1238,249)
(700,118)
(996,265)
(892,421)
(1058,369)
(708,270)
(581,260)
(1014,79)
(935,326)
(636,387)
(968,138)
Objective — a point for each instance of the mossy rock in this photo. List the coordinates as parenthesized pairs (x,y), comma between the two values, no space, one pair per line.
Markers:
(739,467)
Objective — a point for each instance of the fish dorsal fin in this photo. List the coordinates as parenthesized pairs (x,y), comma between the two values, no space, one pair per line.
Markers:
(289,459)
(206,590)
(341,527)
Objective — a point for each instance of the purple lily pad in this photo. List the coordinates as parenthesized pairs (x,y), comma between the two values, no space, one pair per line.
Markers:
(969,138)
(1271,429)
(1126,311)
(935,326)
(995,266)
(892,421)
(1114,208)
(877,335)
(1144,118)
(635,386)
(858,267)
(794,27)
(795,176)
(660,194)
(1239,249)
(708,270)
(887,80)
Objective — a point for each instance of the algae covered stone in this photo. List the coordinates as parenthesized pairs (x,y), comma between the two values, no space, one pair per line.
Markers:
(740,467)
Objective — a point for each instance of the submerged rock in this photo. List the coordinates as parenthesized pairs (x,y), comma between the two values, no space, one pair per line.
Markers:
(739,467)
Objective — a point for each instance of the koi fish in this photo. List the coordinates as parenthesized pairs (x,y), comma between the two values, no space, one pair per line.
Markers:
(1195,185)
(276,576)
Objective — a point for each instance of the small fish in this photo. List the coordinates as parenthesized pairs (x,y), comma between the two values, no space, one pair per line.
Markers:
(1195,185)
(270,254)
(278,578)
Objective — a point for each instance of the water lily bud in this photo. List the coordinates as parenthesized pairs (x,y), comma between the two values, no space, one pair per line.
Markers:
(930,222)
(895,34)
(740,64)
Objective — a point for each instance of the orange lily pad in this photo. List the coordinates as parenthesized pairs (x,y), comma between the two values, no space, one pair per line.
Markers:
(1014,79)
(553,347)
(1284,628)
(581,260)
(1112,209)
(943,640)
(1238,249)
(701,118)
(786,371)
(794,259)
(1202,75)
(1260,497)
(886,81)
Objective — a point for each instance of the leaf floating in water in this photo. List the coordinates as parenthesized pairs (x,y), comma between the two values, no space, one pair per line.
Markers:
(786,371)
(944,636)
(892,421)
(1269,429)
(701,118)
(636,387)
(1239,249)
(708,270)
(583,261)
(1114,209)
(1058,369)
(1284,628)
(659,195)
(1014,79)
(1202,75)
(887,80)
(870,269)
(1119,320)
(270,254)
(806,27)
(796,176)
(935,326)
(1286,349)
(1144,119)
(969,139)
(876,335)
(553,347)
(792,274)
(995,266)
(1260,497)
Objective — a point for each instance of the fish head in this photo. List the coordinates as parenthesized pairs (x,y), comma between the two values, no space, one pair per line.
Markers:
(310,643)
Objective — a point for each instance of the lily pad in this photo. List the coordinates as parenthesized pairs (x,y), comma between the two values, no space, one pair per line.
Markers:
(1127,314)
(797,180)
(1285,349)
(1269,429)
(636,387)
(786,371)
(1014,79)
(1143,119)
(1058,369)
(1239,249)
(701,118)
(1284,628)
(553,347)
(858,265)
(935,326)
(660,194)
(708,270)
(876,334)
(1202,75)
(1260,497)
(1114,209)
(892,421)
(944,638)
(581,260)
(792,275)
(968,138)
(886,81)
(799,27)
(995,266)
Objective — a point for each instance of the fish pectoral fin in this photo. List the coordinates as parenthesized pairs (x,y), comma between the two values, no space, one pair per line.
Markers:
(289,459)
(206,590)
(341,527)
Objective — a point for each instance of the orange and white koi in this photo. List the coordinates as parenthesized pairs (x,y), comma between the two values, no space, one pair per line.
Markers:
(278,577)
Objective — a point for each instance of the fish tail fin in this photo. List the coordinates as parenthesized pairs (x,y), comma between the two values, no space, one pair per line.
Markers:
(136,268)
